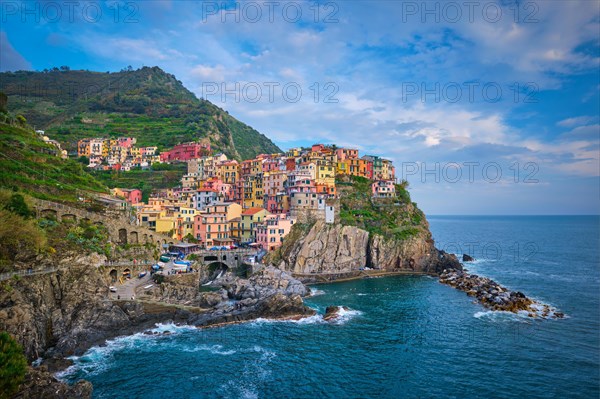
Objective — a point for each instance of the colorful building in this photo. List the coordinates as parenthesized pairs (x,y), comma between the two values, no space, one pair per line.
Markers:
(249,220)
(272,230)
(383,189)
(185,152)
(132,196)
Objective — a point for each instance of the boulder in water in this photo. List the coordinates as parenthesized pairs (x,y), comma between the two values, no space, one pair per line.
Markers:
(467,258)
(333,312)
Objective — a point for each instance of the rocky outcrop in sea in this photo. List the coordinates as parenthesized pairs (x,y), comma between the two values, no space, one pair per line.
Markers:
(337,249)
(496,297)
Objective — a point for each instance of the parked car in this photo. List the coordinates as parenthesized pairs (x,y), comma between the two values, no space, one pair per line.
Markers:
(112,289)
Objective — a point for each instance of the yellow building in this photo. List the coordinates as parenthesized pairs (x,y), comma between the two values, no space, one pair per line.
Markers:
(250,217)
(165,225)
(253,191)
(228,171)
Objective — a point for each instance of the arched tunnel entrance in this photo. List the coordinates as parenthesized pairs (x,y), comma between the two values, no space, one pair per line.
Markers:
(214,271)
(113,275)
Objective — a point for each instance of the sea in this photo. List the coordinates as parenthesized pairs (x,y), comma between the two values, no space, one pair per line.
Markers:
(401,337)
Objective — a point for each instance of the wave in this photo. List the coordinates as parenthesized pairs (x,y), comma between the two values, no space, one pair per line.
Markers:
(315,292)
(171,327)
(495,316)
(214,349)
(344,317)
(98,358)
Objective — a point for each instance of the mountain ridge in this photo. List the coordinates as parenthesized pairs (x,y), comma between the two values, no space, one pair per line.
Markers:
(148,103)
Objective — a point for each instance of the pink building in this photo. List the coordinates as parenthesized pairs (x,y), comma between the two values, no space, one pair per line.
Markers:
(211,228)
(383,189)
(132,196)
(271,232)
(185,152)
(346,153)
(225,191)
(126,142)
(270,165)
(274,182)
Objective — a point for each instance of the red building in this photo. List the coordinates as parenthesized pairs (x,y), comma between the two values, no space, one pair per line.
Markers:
(185,152)
(290,164)
(369,169)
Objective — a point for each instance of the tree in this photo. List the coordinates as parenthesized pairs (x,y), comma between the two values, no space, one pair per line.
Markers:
(3,102)
(13,365)
(18,236)
(17,205)
(21,120)
(190,238)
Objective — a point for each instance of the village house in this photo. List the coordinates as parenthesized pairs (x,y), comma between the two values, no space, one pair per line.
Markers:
(185,152)
(272,230)
(383,189)
(132,196)
(250,217)
(205,197)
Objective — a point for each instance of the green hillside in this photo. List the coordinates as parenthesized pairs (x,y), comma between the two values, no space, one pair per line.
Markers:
(30,165)
(147,103)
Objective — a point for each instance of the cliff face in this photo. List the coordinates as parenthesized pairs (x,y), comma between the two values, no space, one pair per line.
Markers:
(389,234)
(340,249)
(63,309)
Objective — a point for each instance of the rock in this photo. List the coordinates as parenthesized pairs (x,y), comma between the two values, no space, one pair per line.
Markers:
(333,312)
(335,249)
(467,258)
(267,282)
(491,295)
(39,383)
(209,299)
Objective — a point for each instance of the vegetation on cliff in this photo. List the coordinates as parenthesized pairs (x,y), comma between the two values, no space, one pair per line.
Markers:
(147,103)
(13,366)
(159,176)
(397,218)
(32,166)
(19,233)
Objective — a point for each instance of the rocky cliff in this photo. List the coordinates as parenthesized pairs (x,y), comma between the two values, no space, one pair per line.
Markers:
(270,292)
(389,234)
(327,248)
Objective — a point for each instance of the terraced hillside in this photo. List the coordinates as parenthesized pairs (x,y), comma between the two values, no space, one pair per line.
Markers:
(147,103)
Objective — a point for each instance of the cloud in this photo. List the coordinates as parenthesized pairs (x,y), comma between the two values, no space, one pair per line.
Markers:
(576,121)
(10,59)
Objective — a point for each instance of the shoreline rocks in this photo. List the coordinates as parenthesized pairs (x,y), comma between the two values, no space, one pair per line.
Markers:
(496,297)
(333,312)
(467,258)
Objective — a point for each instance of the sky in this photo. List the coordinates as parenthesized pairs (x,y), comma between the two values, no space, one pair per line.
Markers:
(485,107)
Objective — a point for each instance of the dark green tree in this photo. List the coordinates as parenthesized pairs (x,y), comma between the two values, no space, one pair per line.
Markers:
(13,365)
(17,205)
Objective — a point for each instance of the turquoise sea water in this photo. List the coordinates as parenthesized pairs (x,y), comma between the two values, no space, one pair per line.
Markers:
(404,337)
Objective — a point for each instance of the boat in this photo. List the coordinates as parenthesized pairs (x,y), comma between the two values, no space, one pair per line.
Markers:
(142,274)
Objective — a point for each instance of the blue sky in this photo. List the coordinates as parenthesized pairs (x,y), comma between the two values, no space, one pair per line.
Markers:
(504,93)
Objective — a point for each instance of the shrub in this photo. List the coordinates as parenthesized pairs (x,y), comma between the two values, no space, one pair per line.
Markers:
(16,204)
(13,365)
(18,235)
